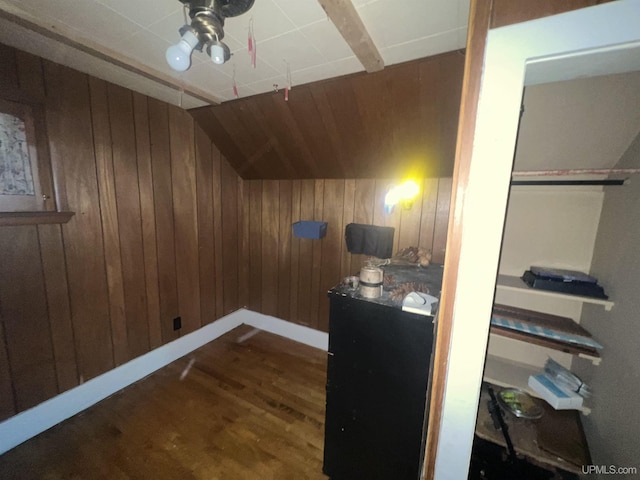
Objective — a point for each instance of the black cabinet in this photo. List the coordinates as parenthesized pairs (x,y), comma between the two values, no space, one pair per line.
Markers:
(377,382)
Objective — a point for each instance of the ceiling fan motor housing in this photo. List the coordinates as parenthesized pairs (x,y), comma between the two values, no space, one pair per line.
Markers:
(207,18)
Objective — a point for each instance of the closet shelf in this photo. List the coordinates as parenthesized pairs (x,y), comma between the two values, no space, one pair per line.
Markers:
(514,283)
(511,374)
(550,331)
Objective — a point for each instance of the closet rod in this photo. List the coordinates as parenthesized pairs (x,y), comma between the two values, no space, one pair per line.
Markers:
(584,171)
(567,182)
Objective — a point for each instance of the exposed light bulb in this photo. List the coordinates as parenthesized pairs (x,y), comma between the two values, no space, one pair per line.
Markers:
(219,52)
(179,55)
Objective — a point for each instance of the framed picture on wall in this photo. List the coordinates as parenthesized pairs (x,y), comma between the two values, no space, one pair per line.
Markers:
(28,193)
(20,186)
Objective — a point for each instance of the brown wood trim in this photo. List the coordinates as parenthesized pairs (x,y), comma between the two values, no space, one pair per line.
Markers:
(479,18)
(11,219)
(346,19)
(73,40)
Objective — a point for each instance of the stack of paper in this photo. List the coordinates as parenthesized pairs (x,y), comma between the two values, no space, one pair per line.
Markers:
(557,396)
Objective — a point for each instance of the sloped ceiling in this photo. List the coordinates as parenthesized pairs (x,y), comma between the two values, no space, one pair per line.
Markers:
(401,121)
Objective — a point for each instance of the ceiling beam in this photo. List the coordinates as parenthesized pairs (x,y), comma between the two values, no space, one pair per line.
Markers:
(346,19)
(67,38)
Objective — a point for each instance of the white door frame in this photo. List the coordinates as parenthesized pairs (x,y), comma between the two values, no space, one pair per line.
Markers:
(591,41)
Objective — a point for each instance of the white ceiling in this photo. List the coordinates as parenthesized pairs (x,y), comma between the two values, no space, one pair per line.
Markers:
(118,39)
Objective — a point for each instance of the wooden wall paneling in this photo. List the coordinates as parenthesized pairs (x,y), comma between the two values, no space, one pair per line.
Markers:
(448,108)
(102,145)
(336,166)
(206,242)
(428,218)
(316,262)
(442,220)
(362,213)
(346,116)
(347,218)
(357,126)
(431,81)
(305,154)
(7,398)
(216,164)
(263,150)
(229,180)
(228,120)
(148,217)
(308,121)
(185,217)
(506,12)
(9,71)
(295,254)
(267,155)
(24,313)
(285,234)
(331,246)
(220,138)
(71,140)
(372,97)
(125,169)
(255,245)
(270,229)
(31,81)
(306,264)
(383,219)
(244,239)
(406,130)
(59,310)
(288,164)
(163,205)
(409,231)
(30,74)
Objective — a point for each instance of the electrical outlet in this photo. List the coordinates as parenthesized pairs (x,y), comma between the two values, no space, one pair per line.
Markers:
(177,323)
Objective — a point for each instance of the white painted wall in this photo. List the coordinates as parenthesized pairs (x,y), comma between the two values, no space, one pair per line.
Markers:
(552,227)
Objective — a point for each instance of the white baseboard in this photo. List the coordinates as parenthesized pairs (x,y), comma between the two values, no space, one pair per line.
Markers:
(292,331)
(28,424)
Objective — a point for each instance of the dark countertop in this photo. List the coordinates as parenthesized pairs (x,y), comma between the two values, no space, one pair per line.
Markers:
(395,275)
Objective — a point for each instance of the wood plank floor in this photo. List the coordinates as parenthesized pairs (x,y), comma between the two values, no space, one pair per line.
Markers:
(249,405)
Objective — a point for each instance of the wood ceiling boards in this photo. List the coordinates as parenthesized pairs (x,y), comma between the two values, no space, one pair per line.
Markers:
(396,122)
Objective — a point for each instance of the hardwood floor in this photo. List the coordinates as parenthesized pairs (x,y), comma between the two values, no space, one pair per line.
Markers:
(249,405)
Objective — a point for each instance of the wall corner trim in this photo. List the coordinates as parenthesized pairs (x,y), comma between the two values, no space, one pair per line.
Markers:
(25,425)
(292,331)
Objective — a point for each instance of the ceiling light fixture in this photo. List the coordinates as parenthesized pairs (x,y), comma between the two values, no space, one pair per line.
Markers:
(206,29)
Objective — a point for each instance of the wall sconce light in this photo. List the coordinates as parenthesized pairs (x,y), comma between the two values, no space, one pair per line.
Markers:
(404,194)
